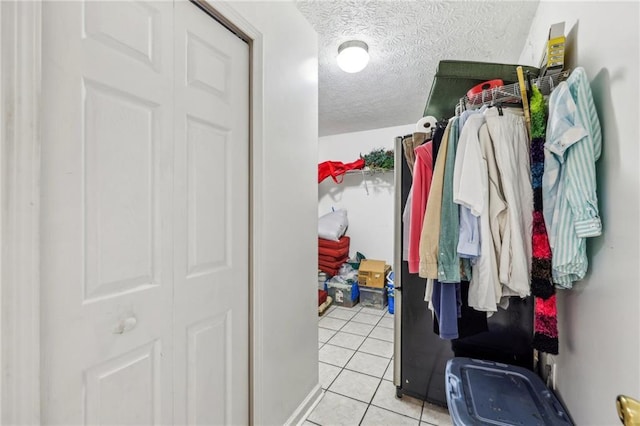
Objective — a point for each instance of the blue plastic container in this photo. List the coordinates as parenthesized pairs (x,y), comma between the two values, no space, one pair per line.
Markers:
(390,298)
(490,393)
(390,293)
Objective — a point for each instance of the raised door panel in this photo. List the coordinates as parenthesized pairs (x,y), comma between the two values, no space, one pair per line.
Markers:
(209,216)
(125,390)
(122,242)
(209,383)
(132,29)
(208,67)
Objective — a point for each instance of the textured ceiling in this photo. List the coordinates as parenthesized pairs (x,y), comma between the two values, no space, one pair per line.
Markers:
(406,41)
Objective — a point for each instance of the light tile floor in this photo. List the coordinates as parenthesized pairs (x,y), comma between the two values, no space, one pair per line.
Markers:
(356,374)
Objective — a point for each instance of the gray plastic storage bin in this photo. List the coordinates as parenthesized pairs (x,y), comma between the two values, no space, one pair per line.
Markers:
(343,294)
(373,297)
(489,393)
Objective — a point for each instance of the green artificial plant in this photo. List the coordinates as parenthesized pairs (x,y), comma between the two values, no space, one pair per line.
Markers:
(379,159)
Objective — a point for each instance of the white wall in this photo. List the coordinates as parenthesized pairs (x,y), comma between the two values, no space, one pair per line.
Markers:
(370,215)
(287,258)
(599,320)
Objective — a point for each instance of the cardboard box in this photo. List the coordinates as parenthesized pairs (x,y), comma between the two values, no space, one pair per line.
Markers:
(553,55)
(373,273)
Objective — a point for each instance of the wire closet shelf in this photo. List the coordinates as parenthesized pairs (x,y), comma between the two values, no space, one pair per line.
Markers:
(510,93)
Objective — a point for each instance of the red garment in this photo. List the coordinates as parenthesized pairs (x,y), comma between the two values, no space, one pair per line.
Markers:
(541,247)
(422,174)
(545,336)
(545,321)
(337,168)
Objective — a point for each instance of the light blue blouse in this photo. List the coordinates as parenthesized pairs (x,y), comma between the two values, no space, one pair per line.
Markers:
(570,203)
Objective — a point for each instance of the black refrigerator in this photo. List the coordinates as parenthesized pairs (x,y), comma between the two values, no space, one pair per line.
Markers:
(420,355)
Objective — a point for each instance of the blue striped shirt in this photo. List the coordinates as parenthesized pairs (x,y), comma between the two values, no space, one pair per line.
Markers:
(570,203)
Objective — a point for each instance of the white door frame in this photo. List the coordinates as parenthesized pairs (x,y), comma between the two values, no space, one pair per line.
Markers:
(20,82)
(20,78)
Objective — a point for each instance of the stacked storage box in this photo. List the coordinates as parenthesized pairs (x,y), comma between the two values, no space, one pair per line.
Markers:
(344,294)
(371,279)
(332,254)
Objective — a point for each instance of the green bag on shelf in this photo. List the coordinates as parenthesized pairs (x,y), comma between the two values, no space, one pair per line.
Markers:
(355,262)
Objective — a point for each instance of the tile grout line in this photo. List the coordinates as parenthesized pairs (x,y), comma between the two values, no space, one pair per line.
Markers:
(381,378)
(403,415)
(395,412)
(344,367)
(371,400)
(372,404)
(341,368)
(354,351)
(350,358)
(358,348)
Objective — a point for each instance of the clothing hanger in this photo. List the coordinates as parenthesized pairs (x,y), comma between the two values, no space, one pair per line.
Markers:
(494,103)
(426,125)
(529,85)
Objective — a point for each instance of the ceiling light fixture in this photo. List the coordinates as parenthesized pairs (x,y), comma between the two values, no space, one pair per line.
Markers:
(353,56)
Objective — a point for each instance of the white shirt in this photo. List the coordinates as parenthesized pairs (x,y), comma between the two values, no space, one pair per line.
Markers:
(471,189)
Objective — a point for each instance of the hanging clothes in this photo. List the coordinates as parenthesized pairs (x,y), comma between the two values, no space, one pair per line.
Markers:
(511,144)
(437,140)
(469,232)
(406,226)
(574,144)
(448,282)
(430,233)
(420,188)
(410,144)
(408,147)
(470,321)
(545,322)
(448,260)
(511,212)
(472,192)
(442,298)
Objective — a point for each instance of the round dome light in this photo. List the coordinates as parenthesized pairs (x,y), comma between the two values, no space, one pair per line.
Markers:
(353,56)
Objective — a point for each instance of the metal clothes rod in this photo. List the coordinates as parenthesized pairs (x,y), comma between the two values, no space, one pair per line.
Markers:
(509,93)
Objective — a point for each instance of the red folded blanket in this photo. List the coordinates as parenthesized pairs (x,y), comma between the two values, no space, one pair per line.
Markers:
(336,263)
(330,259)
(335,253)
(344,242)
(328,270)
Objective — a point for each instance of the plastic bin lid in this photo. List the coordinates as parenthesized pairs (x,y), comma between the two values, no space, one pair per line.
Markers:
(489,393)
(372,289)
(340,286)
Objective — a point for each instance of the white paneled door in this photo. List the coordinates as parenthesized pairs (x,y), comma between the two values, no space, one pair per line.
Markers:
(144,216)
(211,221)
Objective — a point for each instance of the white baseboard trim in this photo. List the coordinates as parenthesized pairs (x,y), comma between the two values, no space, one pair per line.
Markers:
(305,408)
